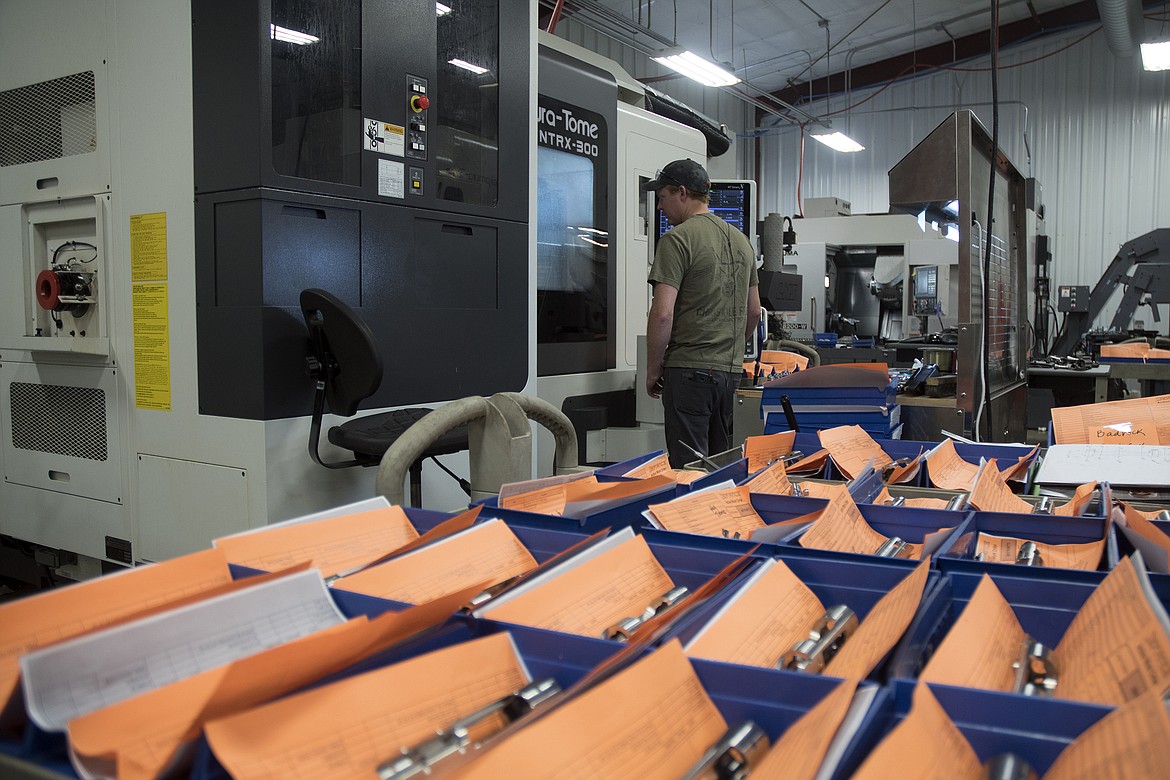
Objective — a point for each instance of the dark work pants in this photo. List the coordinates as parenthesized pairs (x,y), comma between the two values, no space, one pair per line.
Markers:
(697,408)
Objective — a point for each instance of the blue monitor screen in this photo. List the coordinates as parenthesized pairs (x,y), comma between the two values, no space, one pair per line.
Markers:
(729,200)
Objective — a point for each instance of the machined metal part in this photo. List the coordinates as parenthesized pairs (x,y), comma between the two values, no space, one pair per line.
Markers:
(1008,766)
(1043,506)
(420,759)
(1163,516)
(792,457)
(486,595)
(893,547)
(731,758)
(825,638)
(896,501)
(959,502)
(796,491)
(625,628)
(1029,555)
(1037,673)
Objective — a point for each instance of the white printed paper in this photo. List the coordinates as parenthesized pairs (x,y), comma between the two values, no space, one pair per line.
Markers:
(74,678)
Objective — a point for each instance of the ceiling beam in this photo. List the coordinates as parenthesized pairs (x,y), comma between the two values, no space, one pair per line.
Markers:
(949,53)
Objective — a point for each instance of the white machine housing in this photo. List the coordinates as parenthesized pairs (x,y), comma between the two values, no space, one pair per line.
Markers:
(888,249)
(131,483)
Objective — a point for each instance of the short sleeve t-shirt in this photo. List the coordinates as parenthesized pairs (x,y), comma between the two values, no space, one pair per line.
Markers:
(712,265)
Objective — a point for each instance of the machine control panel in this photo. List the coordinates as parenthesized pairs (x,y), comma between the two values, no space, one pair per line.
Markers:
(1070,298)
(416,140)
(925,299)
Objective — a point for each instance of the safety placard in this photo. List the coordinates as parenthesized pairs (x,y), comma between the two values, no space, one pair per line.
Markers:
(391,179)
(148,247)
(383,137)
(152,347)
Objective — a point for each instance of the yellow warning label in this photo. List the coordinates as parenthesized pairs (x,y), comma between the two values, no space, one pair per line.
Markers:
(152,347)
(148,247)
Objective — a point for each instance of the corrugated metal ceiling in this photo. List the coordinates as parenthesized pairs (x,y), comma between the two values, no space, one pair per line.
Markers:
(770,44)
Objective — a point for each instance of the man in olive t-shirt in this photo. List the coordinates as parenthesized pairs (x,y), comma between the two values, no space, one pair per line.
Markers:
(706,302)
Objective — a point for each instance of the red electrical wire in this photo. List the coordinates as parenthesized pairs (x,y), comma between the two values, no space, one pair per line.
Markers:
(800,173)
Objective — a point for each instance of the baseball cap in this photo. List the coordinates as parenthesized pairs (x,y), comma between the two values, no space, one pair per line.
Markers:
(681,173)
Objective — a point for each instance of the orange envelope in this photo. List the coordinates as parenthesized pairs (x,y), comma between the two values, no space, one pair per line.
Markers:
(652,721)
(1018,471)
(783,361)
(54,616)
(1080,499)
(331,545)
(772,480)
(488,553)
(1133,421)
(726,512)
(775,610)
(1115,650)
(926,745)
(810,489)
(948,470)
(801,749)
(852,449)
(651,468)
(1131,741)
(348,728)
(140,737)
(843,529)
(809,464)
(1004,549)
(615,580)
(761,451)
(992,494)
(1137,350)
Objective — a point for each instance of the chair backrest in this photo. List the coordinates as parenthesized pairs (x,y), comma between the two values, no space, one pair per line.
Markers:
(345,349)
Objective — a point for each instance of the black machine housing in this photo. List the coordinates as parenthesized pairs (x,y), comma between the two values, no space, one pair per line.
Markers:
(299,184)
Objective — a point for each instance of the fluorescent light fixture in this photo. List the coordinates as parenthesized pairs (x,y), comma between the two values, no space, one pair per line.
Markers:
(1156,56)
(695,67)
(839,141)
(458,63)
(442,10)
(291,36)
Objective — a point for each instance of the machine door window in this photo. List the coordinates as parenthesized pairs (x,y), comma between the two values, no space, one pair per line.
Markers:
(316,89)
(573,241)
(466,103)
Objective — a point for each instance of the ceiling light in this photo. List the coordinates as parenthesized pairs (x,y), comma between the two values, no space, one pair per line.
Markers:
(695,67)
(442,10)
(291,36)
(839,141)
(458,63)
(1156,56)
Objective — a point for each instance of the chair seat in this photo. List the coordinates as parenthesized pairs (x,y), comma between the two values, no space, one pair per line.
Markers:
(372,435)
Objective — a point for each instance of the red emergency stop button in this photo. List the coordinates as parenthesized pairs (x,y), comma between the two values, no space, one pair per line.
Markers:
(420,103)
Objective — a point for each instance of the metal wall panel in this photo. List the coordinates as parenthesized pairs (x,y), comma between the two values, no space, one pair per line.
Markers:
(1098,130)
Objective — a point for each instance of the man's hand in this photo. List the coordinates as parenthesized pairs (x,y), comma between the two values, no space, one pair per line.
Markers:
(654,383)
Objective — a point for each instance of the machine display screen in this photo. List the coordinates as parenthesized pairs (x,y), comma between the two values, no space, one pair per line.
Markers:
(926,282)
(731,200)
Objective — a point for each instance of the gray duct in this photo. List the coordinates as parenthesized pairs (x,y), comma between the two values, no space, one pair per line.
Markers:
(1122,22)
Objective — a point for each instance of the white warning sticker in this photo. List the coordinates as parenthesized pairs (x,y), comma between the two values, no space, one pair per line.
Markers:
(391,179)
(383,137)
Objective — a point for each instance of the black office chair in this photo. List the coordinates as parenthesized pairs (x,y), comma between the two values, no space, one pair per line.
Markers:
(347,367)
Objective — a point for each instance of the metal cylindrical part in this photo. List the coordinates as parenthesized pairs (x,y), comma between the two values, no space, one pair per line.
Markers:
(772,242)
(1008,766)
